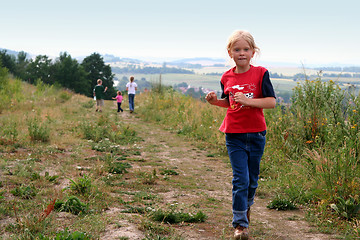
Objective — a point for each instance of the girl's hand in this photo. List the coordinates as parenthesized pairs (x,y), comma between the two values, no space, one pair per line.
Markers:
(211,97)
(239,97)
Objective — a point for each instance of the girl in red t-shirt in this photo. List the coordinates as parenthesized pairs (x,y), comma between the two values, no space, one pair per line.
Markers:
(246,91)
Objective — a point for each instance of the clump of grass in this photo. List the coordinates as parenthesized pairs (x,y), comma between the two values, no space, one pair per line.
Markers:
(51,178)
(76,235)
(154,229)
(64,96)
(72,205)
(168,172)
(139,196)
(81,186)
(281,204)
(118,167)
(25,192)
(88,104)
(38,131)
(172,216)
(148,178)
(134,209)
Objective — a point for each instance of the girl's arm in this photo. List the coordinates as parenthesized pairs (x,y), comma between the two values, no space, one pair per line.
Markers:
(213,100)
(267,102)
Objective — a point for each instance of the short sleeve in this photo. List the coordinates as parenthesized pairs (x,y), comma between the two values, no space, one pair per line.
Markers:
(223,95)
(267,87)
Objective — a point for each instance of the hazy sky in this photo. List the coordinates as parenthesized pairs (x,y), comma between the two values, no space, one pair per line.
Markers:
(309,32)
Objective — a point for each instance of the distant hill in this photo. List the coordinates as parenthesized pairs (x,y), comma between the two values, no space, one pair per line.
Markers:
(10,52)
(202,61)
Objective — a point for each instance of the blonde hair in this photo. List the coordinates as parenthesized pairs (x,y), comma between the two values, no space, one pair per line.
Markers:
(118,92)
(245,35)
(99,81)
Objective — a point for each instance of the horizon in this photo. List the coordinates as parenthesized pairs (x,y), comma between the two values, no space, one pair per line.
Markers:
(160,60)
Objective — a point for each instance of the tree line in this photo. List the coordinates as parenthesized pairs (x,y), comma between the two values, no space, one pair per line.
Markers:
(64,71)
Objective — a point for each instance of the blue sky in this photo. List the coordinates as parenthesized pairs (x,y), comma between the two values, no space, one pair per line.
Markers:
(308,32)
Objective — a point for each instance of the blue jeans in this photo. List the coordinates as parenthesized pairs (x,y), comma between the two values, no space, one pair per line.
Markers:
(245,151)
(131,101)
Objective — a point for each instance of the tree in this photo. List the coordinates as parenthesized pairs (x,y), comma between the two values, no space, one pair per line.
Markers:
(70,74)
(40,68)
(21,64)
(7,61)
(95,68)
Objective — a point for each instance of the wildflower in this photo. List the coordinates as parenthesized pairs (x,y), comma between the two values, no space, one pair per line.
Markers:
(310,141)
(354,111)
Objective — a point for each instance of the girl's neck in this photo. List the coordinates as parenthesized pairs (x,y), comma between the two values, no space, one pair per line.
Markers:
(242,69)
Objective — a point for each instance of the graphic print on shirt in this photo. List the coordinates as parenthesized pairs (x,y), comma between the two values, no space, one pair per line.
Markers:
(246,89)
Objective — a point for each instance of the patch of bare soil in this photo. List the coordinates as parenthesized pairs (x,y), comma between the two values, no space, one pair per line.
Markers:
(212,176)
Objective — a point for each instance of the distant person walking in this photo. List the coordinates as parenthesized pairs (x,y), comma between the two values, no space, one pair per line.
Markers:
(99,91)
(119,99)
(246,91)
(131,87)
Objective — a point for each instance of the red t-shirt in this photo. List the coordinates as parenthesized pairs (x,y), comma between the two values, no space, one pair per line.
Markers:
(239,118)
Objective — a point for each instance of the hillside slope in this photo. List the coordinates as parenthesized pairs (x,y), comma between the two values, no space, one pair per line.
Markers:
(123,171)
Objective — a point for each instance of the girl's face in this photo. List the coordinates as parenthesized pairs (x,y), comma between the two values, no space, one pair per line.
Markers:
(241,53)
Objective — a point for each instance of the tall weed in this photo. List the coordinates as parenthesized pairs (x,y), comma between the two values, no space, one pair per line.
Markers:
(38,131)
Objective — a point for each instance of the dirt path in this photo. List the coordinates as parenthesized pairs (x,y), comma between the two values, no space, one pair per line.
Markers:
(212,176)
